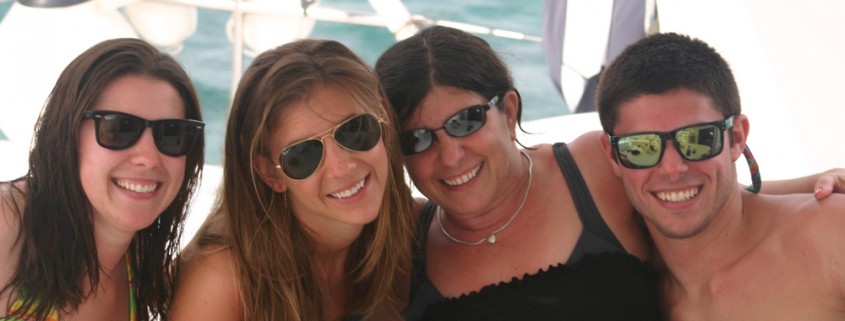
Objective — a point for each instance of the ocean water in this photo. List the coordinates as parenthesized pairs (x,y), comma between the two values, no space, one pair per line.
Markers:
(207,54)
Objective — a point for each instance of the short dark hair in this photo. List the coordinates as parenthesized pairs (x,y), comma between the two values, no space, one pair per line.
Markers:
(661,63)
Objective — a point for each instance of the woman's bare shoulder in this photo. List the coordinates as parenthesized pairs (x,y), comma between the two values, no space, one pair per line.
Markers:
(207,287)
(12,200)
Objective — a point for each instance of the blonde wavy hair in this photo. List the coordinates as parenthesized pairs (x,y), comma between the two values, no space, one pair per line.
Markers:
(271,249)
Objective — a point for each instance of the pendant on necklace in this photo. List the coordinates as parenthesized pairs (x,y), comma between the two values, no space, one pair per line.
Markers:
(491,239)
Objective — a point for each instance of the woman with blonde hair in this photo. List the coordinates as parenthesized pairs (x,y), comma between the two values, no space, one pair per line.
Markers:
(314,219)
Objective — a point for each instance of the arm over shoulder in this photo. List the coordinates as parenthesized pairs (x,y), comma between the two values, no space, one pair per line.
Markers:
(821,184)
(608,192)
(207,288)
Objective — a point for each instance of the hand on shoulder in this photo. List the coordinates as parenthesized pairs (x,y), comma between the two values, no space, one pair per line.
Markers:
(831,181)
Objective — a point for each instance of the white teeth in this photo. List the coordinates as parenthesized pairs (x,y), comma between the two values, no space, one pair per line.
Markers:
(463,178)
(349,192)
(137,188)
(678,196)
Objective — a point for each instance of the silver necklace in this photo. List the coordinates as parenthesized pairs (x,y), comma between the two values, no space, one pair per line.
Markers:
(492,237)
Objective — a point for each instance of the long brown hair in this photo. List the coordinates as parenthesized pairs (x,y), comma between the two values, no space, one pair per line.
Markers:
(271,249)
(56,232)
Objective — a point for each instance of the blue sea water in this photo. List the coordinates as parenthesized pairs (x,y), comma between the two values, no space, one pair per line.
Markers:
(207,54)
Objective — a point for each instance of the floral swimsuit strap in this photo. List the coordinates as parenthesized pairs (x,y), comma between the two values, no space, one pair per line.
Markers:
(15,313)
(133,313)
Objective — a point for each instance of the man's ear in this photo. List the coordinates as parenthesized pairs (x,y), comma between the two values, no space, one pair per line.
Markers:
(510,99)
(738,135)
(271,175)
(609,153)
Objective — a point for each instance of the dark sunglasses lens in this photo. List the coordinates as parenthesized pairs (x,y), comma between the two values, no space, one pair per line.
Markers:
(466,122)
(639,151)
(117,131)
(175,137)
(416,141)
(699,142)
(301,160)
(359,134)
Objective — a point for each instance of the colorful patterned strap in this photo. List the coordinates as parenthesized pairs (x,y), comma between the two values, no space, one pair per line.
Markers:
(15,313)
(133,313)
(756,183)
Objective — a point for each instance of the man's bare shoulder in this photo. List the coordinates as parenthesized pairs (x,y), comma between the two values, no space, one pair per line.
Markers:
(794,270)
(822,216)
(803,215)
(825,222)
(826,234)
(817,230)
(831,206)
(797,207)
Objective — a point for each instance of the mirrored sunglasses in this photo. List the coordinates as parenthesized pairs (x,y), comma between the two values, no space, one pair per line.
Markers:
(463,123)
(117,131)
(694,143)
(360,133)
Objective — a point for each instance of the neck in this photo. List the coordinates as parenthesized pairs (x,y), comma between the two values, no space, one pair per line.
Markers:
(333,243)
(491,237)
(333,283)
(111,249)
(330,258)
(692,261)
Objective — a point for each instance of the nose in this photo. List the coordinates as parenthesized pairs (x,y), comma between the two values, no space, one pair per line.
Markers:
(672,165)
(449,149)
(144,151)
(338,160)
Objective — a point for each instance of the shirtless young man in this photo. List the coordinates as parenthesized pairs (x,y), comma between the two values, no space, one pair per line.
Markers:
(670,107)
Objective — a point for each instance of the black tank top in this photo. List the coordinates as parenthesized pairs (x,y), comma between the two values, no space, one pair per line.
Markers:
(599,281)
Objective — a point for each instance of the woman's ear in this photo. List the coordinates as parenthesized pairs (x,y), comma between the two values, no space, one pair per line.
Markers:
(738,136)
(271,175)
(510,100)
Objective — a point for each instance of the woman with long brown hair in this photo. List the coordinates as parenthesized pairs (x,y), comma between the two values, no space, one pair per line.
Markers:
(314,219)
(91,229)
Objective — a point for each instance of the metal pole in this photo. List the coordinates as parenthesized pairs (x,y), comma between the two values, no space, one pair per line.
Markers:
(237,47)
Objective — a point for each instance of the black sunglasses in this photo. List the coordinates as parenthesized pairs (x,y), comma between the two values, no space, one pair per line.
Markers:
(694,143)
(116,131)
(359,133)
(463,123)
